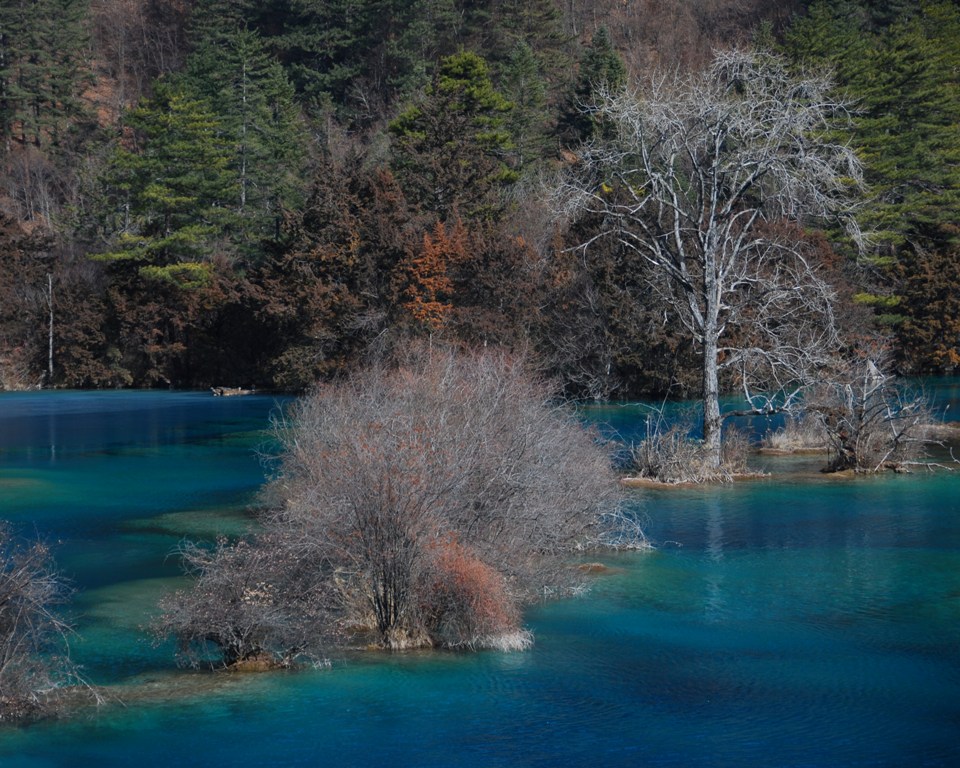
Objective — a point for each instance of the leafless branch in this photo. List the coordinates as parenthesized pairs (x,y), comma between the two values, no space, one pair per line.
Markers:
(34,660)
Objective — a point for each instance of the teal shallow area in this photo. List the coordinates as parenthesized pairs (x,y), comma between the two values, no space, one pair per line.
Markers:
(629,421)
(797,620)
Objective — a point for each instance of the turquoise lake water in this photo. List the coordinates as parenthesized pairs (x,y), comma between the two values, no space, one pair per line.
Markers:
(798,620)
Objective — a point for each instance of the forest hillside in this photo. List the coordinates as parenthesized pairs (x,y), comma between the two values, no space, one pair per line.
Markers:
(201,193)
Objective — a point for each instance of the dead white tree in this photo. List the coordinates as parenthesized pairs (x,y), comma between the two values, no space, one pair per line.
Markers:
(697,174)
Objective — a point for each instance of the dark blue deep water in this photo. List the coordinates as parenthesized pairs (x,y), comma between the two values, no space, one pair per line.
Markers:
(797,620)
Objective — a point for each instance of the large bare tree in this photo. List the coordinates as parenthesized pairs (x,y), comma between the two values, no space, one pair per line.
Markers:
(697,174)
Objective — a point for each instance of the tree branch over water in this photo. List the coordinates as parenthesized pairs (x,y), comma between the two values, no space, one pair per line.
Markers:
(34,661)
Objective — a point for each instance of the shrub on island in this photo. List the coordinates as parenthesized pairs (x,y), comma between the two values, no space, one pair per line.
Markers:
(421,503)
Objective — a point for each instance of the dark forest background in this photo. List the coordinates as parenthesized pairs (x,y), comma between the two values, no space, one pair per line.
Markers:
(258,194)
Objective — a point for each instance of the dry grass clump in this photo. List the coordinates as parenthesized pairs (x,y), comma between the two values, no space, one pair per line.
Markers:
(672,457)
(799,434)
(507,642)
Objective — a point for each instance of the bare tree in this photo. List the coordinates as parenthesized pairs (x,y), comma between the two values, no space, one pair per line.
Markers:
(417,504)
(135,42)
(674,33)
(872,421)
(694,173)
(33,660)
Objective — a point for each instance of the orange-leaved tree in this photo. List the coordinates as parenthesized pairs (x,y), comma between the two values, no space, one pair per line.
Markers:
(429,288)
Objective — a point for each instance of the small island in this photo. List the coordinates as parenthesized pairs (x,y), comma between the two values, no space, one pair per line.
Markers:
(420,503)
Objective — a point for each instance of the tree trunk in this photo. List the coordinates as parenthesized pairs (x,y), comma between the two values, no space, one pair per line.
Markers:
(712,423)
(50,330)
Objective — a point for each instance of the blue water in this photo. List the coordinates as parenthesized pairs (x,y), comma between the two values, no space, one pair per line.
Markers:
(798,620)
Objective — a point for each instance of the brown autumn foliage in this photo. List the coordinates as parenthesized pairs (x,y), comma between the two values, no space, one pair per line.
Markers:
(675,33)
(307,305)
(323,292)
(498,288)
(468,599)
(135,41)
(22,302)
(427,275)
(931,304)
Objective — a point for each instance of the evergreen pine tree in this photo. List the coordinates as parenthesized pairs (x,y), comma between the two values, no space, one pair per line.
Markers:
(43,45)
(215,21)
(600,67)
(884,13)
(259,123)
(318,44)
(172,191)
(898,64)
(831,36)
(909,131)
(403,41)
(449,149)
(529,121)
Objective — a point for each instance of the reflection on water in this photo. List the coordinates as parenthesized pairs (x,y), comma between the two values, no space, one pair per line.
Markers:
(794,620)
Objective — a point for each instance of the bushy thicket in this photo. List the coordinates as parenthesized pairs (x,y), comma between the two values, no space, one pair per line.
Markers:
(33,661)
(872,420)
(421,503)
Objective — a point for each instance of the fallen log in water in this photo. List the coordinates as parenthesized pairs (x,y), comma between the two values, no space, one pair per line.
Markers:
(230,391)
